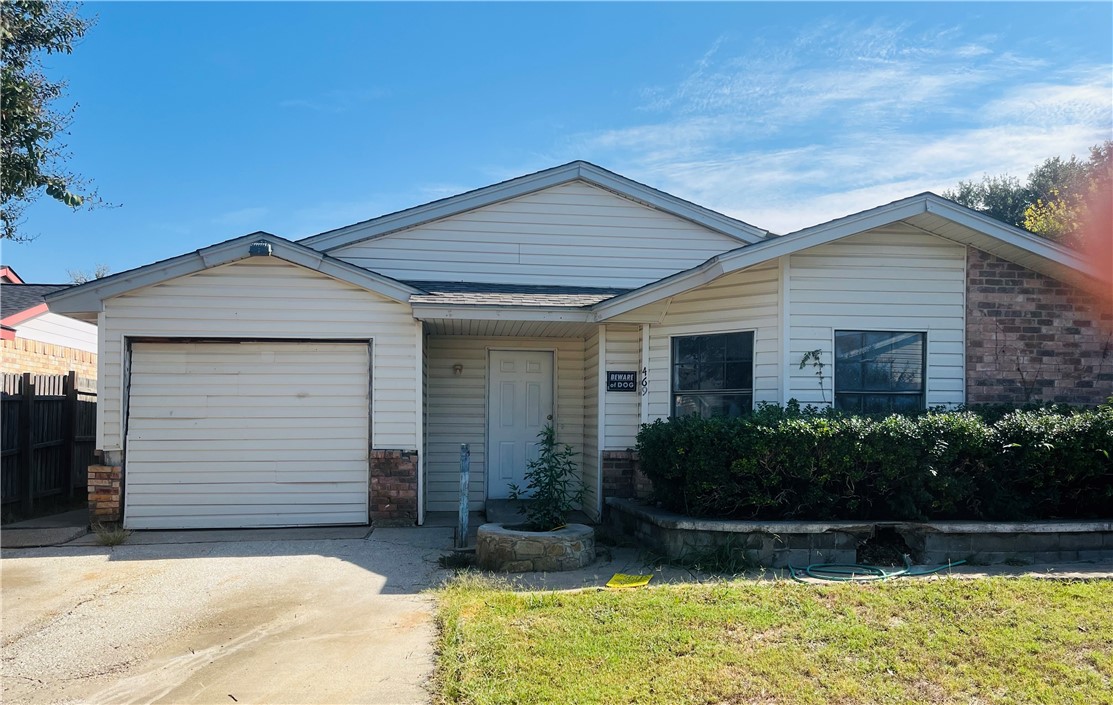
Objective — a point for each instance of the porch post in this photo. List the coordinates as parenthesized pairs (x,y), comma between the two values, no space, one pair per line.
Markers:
(419,420)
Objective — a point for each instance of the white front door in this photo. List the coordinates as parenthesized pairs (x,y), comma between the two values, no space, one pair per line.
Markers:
(520,394)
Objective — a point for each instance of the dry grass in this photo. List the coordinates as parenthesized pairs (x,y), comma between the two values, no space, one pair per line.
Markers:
(941,641)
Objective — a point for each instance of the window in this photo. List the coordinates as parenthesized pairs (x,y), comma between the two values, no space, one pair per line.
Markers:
(713,375)
(879,372)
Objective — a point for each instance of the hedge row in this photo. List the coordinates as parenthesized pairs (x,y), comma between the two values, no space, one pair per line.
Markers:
(791,463)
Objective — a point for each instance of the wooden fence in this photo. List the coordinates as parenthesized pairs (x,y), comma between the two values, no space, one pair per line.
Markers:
(47,437)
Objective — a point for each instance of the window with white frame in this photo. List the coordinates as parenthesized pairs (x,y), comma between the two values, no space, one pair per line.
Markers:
(713,375)
(879,371)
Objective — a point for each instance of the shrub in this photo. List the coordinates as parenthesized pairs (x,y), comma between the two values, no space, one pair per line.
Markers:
(553,486)
(807,463)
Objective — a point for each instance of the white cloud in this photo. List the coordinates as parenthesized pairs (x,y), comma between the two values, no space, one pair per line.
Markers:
(849,117)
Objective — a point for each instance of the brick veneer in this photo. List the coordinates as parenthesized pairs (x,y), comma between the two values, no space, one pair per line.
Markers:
(1031,338)
(393,487)
(104,493)
(38,358)
(622,475)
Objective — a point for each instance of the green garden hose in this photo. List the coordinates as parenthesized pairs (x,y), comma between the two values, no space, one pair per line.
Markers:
(860,573)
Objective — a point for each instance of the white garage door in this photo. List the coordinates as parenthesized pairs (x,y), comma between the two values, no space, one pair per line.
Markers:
(225,435)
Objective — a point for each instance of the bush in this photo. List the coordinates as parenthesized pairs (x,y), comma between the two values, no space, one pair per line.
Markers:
(1036,463)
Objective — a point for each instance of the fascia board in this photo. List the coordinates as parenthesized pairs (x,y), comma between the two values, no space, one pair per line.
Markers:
(25,315)
(521,186)
(446,208)
(1029,242)
(673,205)
(764,251)
(88,298)
(651,293)
(427,312)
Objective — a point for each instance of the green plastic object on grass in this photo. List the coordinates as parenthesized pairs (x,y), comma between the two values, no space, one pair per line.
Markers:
(860,573)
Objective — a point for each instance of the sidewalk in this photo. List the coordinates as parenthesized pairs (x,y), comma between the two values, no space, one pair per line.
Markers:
(45,531)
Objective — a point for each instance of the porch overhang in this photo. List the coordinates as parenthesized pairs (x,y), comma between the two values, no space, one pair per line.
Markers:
(517,321)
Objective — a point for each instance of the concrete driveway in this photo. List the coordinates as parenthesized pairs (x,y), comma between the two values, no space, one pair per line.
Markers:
(240,621)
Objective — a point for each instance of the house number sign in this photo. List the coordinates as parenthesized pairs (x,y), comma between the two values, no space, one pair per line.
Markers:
(622,381)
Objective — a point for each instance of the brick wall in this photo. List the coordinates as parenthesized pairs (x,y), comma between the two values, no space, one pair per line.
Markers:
(1031,338)
(622,475)
(393,487)
(22,355)
(105,494)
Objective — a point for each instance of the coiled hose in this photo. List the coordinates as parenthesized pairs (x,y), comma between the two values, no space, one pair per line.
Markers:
(860,573)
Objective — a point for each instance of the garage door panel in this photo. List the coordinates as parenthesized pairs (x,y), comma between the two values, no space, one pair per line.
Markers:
(309,425)
(174,475)
(259,521)
(205,499)
(261,434)
(258,446)
(221,432)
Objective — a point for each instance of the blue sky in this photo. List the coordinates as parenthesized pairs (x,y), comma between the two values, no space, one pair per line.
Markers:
(205,121)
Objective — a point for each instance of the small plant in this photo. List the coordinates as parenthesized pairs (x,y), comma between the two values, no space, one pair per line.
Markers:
(553,486)
(111,534)
(815,357)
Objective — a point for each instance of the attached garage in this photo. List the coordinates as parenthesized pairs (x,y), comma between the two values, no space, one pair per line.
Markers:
(251,434)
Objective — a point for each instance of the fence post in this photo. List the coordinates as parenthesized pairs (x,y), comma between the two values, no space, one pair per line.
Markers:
(69,428)
(26,443)
(465,472)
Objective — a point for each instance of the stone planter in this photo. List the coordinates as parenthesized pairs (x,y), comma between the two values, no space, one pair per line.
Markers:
(512,550)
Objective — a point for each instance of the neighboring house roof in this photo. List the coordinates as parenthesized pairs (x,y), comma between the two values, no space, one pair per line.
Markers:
(20,302)
(928,212)
(480,294)
(522,185)
(86,298)
(8,275)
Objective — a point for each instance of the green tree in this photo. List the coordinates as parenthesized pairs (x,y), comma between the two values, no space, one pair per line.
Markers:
(1057,201)
(30,124)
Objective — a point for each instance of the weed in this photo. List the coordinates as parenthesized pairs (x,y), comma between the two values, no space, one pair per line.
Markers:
(110,534)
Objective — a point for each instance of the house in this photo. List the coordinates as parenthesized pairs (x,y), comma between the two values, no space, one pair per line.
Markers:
(262,382)
(36,340)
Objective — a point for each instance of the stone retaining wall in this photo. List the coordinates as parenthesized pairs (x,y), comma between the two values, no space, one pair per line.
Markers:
(777,544)
(512,551)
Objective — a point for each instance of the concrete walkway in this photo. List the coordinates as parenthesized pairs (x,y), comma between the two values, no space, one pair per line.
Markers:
(45,531)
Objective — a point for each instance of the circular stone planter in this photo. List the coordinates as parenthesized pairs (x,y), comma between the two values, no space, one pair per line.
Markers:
(512,550)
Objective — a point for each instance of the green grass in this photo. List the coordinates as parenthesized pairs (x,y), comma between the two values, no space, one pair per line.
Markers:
(942,641)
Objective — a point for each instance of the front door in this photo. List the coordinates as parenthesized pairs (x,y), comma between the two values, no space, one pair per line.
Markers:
(520,394)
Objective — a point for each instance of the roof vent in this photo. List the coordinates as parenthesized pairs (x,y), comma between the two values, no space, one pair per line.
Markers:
(260,248)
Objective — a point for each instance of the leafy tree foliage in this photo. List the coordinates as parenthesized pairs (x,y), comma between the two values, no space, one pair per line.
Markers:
(1060,200)
(33,157)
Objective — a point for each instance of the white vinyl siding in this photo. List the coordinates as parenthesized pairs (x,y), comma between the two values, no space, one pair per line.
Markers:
(59,330)
(246,435)
(742,301)
(590,458)
(457,409)
(266,298)
(623,412)
(889,279)
(574,234)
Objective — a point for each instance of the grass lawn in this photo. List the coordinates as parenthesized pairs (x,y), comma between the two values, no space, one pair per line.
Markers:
(995,640)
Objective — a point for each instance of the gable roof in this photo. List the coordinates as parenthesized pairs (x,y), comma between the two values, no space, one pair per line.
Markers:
(523,185)
(8,275)
(86,298)
(16,298)
(927,211)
